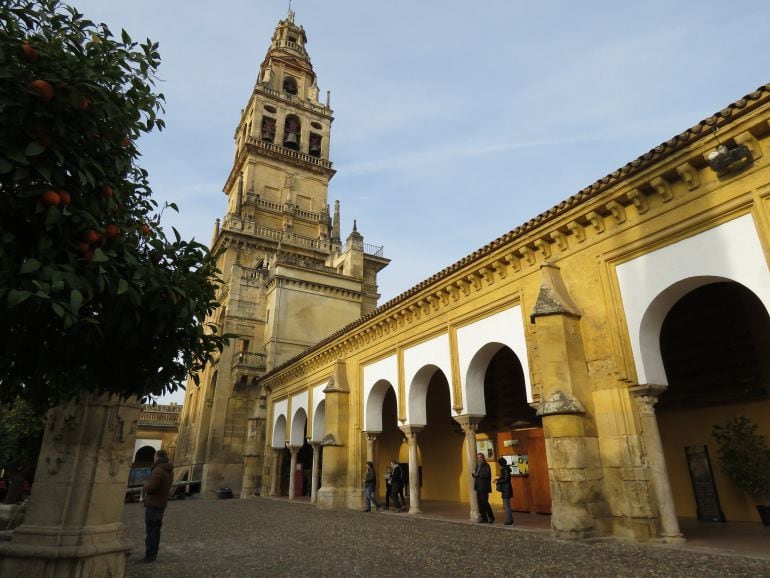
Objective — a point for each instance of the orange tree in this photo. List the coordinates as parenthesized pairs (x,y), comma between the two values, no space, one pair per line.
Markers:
(94,297)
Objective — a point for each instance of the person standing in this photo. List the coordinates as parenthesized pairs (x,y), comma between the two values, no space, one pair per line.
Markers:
(156,490)
(388,472)
(370,485)
(505,488)
(397,486)
(482,483)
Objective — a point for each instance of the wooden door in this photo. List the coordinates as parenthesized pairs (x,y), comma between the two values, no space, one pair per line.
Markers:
(531,490)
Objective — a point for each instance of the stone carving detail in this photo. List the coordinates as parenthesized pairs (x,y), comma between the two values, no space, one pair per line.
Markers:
(662,188)
(544,247)
(747,139)
(618,212)
(639,201)
(561,403)
(597,221)
(578,230)
(689,175)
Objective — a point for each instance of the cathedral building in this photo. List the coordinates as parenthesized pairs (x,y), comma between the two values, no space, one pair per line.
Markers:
(593,348)
(289,277)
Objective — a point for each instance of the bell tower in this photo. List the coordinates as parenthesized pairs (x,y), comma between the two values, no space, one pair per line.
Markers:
(288,278)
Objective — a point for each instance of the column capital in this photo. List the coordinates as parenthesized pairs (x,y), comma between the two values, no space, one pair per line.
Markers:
(371,435)
(411,430)
(646,396)
(293,450)
(469,423)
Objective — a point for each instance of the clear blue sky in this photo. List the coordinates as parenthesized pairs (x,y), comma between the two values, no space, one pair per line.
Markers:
(454,121)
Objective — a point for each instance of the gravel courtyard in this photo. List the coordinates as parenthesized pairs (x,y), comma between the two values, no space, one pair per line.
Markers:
(267,537)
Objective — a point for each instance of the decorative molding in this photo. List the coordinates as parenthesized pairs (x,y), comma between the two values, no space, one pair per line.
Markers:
(617,211)
(662,188)
(639,200)
(689,175)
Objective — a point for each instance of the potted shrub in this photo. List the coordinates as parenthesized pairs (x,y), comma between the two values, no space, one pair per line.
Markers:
(745,458)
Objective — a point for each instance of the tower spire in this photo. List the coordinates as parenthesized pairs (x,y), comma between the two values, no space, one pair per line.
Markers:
(290,15)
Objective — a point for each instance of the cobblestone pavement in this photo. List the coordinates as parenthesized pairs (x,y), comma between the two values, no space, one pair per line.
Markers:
(265,537)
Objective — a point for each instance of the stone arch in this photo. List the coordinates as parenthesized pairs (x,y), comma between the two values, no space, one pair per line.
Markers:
(652,322)
(418,393)
(373,407)
(298,424)
(475,403)
(145,456)
(279,432)
(319,421)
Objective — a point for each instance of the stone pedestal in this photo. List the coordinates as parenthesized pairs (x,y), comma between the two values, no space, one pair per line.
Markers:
(73,527)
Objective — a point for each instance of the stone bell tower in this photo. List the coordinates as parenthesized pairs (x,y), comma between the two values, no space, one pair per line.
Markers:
(289,279)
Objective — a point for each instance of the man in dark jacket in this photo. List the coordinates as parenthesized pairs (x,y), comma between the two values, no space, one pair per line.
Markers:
(156,492)
(482,483)
(397,486)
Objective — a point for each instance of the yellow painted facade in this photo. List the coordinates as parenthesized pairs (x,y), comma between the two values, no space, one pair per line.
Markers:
(594,345)
(562,277)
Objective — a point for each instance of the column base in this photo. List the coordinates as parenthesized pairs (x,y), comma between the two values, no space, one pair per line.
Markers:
(672,539)
(64,552)
(332,499)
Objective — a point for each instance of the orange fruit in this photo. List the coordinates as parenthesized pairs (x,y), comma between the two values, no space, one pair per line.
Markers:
(50,198)
(42,89)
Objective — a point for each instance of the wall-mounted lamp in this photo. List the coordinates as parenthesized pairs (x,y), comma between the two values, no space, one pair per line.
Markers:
(726,161)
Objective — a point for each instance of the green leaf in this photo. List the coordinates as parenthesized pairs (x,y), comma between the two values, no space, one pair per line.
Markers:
(15,297)
(58,309)
(122,286)
(99,256)
(34,149)
(76,299)
(5,166)
(29,265)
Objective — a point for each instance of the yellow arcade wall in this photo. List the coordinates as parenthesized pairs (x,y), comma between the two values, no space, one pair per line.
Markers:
(693,427)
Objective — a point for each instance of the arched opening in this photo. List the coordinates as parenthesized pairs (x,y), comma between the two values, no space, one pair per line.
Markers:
(390,438)
(292,133)
(290,85)
(441,445)
(511,430)
(713,343)
(144,458)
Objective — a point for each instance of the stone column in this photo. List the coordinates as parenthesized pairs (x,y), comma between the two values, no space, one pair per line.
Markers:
(646,397)
(470,424)
(414,468)
(314,476)
(73,526)
(275,482)
(335,484)
(293,450)
(371,437)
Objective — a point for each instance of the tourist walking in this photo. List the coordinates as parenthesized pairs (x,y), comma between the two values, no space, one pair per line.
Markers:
(397,486)
(370,485)
(482,483)
(156,490)
(503,484)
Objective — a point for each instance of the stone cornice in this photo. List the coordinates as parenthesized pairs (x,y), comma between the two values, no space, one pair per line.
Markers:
(638,190)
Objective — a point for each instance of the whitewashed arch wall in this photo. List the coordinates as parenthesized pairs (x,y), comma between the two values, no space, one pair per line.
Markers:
(505,328)
(384,370)
(299,404)
(141,442)
(420,363)
(280,410)
(651,284)
(319,412)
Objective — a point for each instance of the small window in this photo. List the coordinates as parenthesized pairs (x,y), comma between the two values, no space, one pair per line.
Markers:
(290,85)
(270,109)
(316,125)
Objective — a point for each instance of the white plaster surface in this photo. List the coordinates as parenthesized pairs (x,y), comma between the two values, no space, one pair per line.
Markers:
(651,284)
(319,411)
(298,410)
(141,442)
(477,342)
(378,373)
(420,363)
(280,409)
